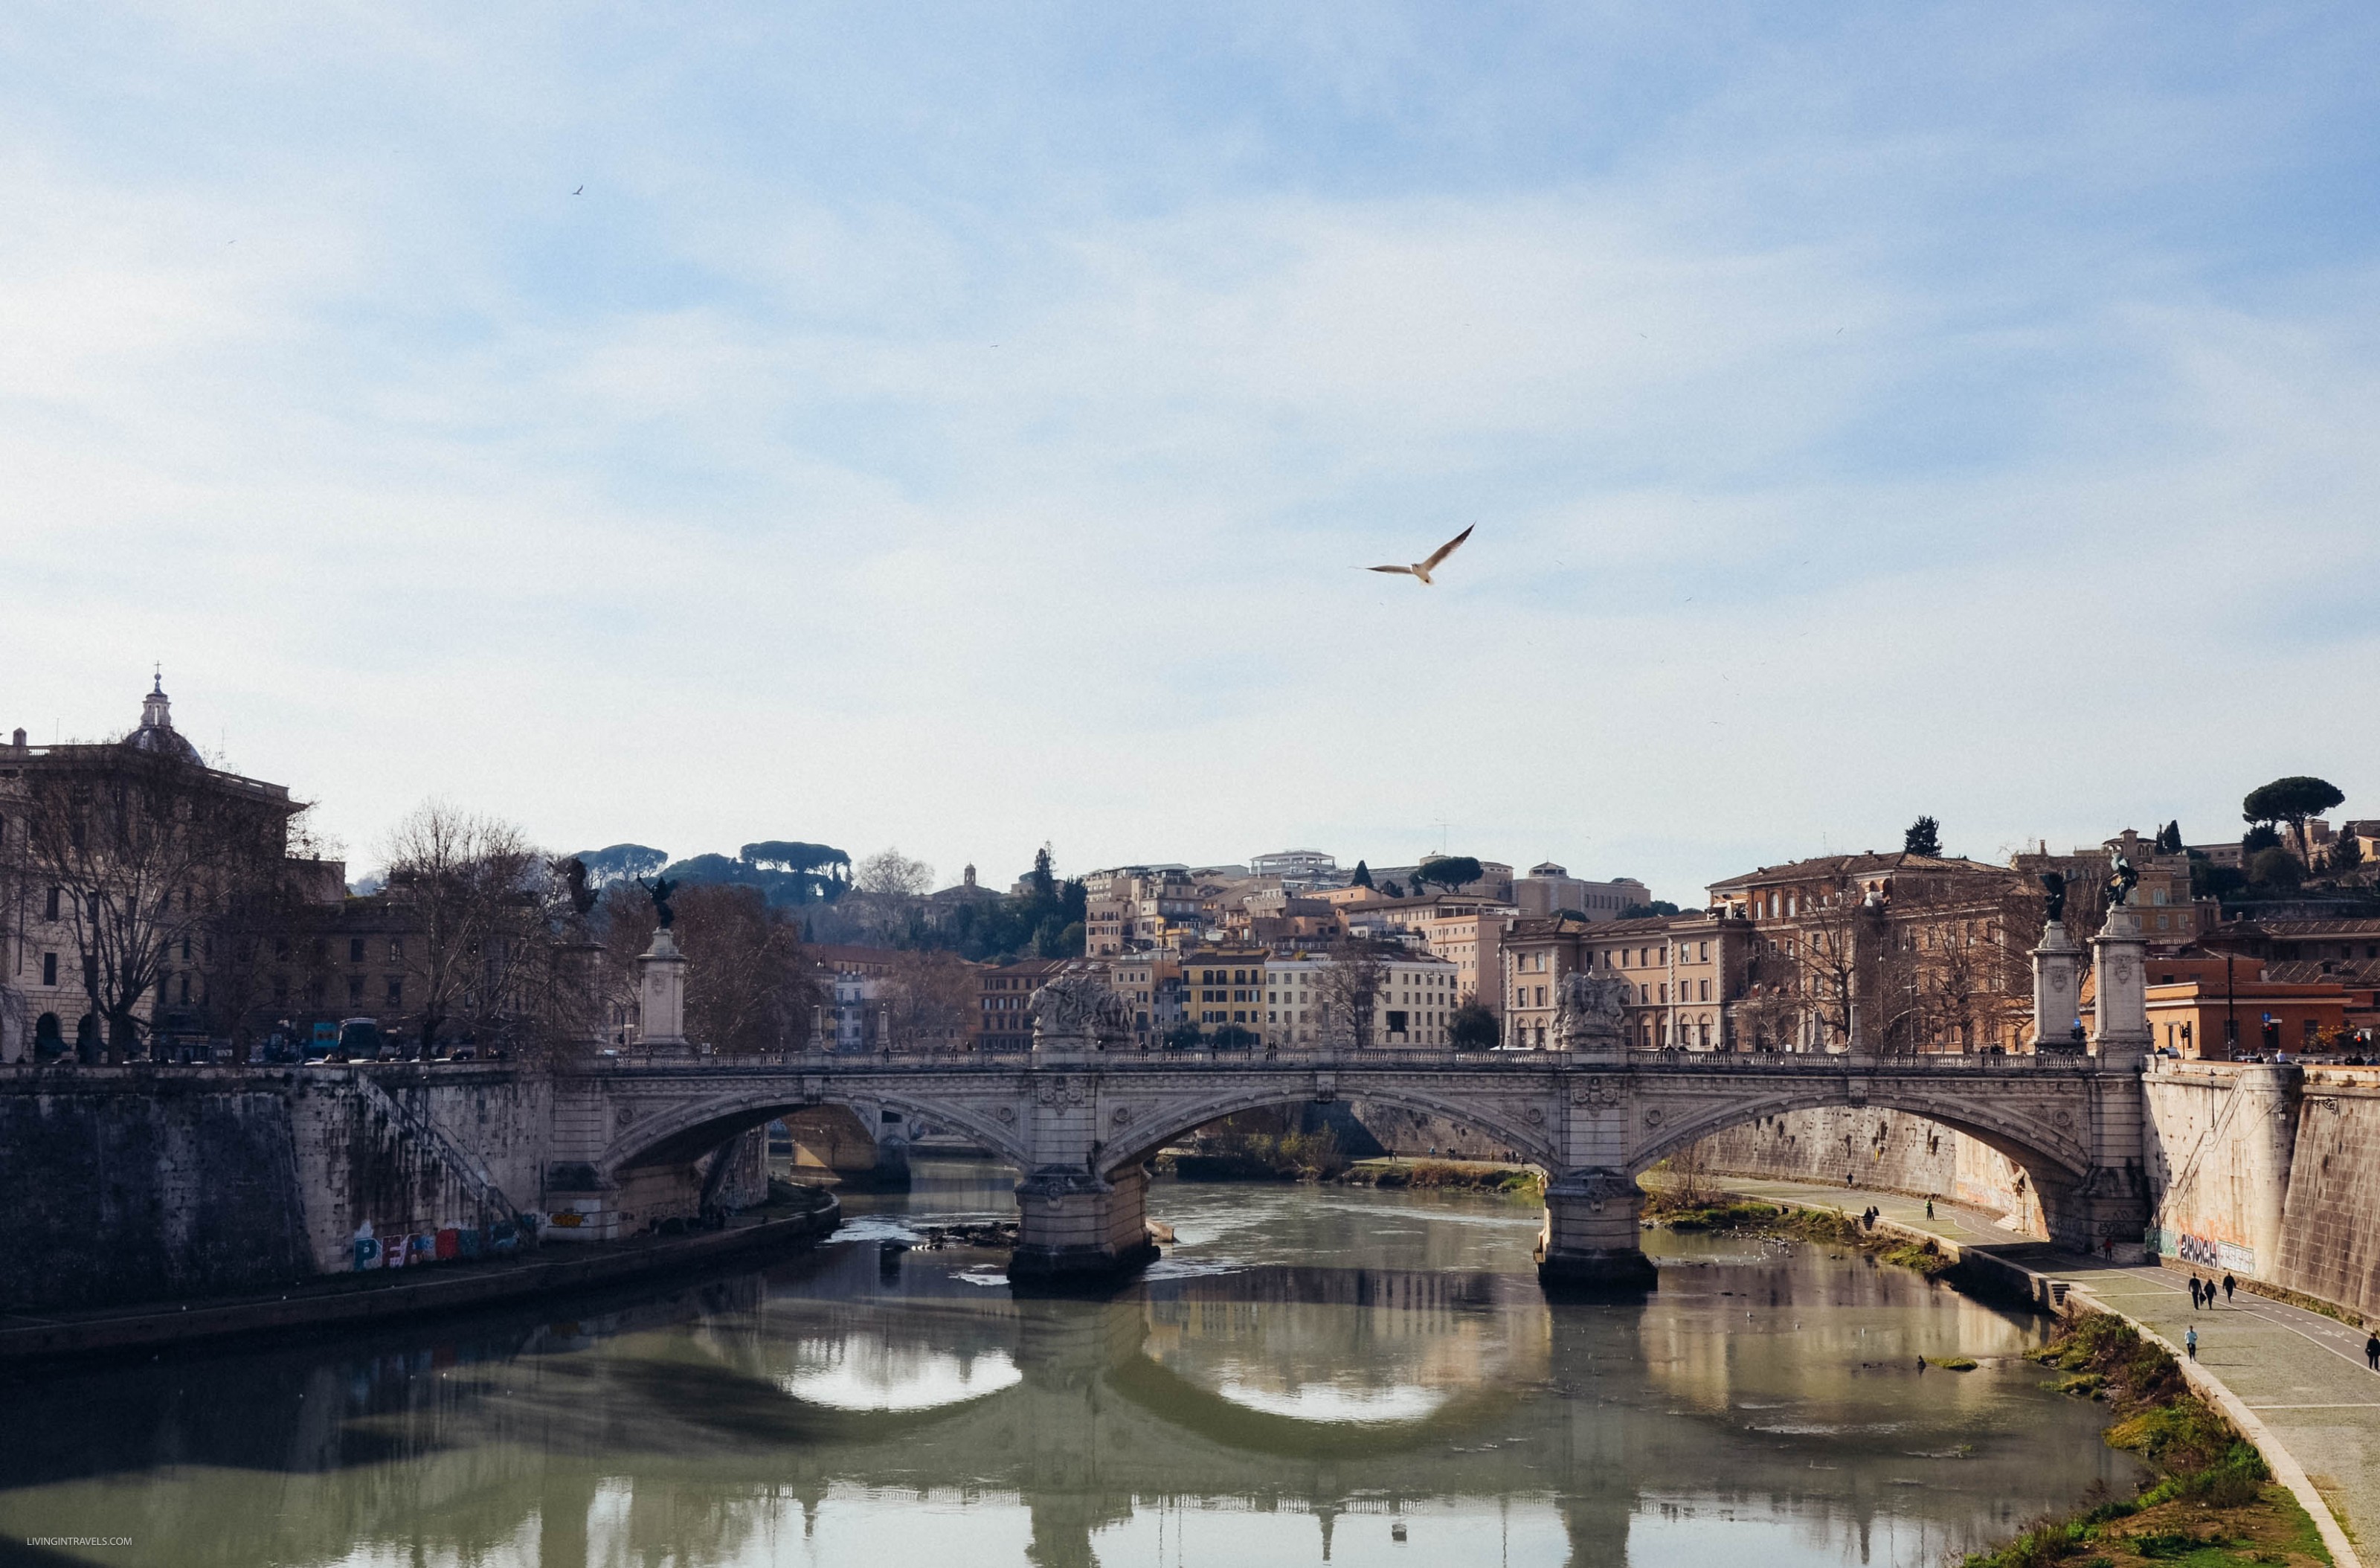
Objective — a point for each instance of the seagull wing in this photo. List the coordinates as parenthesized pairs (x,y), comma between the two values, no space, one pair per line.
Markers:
(1447,549)
(1406,570)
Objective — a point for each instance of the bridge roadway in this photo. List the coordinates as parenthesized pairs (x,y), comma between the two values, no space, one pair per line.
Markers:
(1080,1118)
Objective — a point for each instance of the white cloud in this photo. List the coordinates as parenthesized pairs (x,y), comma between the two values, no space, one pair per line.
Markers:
(705,507)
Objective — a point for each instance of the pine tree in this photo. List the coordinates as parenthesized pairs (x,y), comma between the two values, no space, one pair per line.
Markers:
(1362,877)
(1924,837)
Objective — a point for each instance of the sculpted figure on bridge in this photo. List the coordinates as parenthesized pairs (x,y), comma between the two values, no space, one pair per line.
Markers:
(661,889)
(1593,1011)
(2121,880)
(1078,1007)
(2053,897)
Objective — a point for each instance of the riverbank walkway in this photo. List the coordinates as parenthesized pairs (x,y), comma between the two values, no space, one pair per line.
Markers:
(2300,1374)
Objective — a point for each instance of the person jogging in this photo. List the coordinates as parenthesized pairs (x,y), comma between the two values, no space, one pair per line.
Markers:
(2189,1340)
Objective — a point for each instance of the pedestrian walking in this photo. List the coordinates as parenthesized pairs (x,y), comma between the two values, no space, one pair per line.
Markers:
(2190,1341)
(1929,1209)
(2371,1350)
(2194,1293)
(2230,1284)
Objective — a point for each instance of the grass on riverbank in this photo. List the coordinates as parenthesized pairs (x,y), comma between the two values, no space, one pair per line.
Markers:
(1295,1157)
(1747,1217)
(2213,1504)
(1446,1176)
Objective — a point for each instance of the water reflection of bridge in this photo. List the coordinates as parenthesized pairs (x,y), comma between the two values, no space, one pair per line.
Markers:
(695,1443)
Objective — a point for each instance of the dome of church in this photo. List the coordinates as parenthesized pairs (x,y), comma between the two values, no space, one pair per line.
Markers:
(157,736)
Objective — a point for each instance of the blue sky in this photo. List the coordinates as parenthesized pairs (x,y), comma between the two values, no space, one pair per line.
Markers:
(960,428)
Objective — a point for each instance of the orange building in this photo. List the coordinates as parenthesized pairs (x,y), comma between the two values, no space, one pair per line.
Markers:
(2223,1008)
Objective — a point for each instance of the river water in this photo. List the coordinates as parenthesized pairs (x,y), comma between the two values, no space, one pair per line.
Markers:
(1309,1375)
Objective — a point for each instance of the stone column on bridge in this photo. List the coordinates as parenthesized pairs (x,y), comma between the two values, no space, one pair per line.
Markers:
(2119,1016)
(660,995)
(1591,1239)
(1071,1220)
(2057,1004)
(2108,1212)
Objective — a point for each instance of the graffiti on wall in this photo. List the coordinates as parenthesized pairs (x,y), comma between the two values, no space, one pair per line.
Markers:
(2206,1253)
(447,1243)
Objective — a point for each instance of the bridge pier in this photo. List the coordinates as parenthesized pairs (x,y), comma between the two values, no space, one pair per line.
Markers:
(1591,1240)
(1074,1224)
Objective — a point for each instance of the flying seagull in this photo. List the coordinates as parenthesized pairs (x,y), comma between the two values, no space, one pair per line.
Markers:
(580,191)
(1423,568)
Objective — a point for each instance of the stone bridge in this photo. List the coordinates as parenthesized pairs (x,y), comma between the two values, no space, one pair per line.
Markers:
(1080,1125)
(1082,1114)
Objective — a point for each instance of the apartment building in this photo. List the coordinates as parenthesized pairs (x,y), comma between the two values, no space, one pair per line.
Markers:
(1888,952)
(1473,941)
(1683,972)
(1136,908)
(1309,1002)
(1224,986)
(1004,1003)
(1145,981)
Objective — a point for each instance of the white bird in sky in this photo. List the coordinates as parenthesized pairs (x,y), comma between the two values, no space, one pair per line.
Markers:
(1423,568)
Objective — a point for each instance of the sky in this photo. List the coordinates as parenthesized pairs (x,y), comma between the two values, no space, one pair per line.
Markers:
(959,429)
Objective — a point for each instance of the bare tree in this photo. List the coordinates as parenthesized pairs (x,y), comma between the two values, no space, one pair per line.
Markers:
(1825,950)
(476,897)
(887,887)
(888,871)
(930,998)
(1349,990)
(141,846)
(748,985)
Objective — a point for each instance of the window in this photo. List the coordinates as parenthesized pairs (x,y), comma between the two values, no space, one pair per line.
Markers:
(1541,996)
(354,950)
(49,968)
(53,905)
(1644,993)
(396,991)
(1705,997)
(1665,992)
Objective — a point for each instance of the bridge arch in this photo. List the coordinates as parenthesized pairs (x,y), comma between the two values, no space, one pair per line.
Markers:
(1173,1120)
(2057,1163)
(683,1133)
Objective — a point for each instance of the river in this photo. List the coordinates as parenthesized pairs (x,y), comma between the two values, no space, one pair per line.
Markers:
(1310,1374)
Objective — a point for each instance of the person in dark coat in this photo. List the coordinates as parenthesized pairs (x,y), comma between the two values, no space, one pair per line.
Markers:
(2371,1350)
(2230,1284)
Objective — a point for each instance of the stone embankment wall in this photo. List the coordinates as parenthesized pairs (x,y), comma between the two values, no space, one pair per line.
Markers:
(143,1184)
(119,1189)
(1881,1150)
(2271,1173)
(1419,1134)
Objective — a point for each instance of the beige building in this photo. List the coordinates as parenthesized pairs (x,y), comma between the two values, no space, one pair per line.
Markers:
(1411,1004)
(1139,909)
(1473,941)
(1890,951)
(1683,972)
(1548,889)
